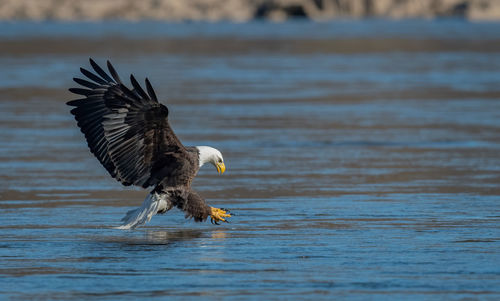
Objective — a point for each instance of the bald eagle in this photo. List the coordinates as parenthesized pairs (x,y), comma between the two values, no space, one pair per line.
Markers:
(128,132)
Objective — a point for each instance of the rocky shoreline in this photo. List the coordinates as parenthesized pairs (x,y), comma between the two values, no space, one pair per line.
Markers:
(245,10)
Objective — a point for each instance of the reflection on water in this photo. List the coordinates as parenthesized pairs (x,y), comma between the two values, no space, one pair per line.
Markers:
(152,237)
(362,163)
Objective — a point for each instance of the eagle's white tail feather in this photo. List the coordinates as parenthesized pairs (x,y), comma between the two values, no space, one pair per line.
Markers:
(153,203)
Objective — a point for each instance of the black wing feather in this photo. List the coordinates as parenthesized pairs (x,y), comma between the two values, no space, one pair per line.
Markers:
(80,91)
(113,72)
(101,72)
(128,130)
(85,83)
(93,77)
(138,88)
(151,91)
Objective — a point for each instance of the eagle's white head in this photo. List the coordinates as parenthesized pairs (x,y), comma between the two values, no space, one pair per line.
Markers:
(211,155)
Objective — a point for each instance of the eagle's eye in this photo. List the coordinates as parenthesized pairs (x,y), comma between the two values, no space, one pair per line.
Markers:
(220,160)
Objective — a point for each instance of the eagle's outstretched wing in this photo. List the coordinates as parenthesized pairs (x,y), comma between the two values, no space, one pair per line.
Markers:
(127,130)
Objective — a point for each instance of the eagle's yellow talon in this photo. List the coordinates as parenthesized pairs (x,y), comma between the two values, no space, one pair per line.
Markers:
(218,215)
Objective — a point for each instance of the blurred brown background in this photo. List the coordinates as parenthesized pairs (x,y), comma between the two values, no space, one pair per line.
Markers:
(244,10)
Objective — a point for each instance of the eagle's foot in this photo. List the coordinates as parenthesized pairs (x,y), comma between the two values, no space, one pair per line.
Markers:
(218,215)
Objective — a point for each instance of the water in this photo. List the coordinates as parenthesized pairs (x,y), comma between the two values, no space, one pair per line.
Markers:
(363,162)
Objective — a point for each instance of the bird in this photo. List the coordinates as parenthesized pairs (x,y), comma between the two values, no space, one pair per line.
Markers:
(128,131)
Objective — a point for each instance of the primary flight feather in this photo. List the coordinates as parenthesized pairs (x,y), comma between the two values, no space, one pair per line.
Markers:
(129,133)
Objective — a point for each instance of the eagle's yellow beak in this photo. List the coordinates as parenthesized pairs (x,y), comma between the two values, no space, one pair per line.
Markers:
(221,168)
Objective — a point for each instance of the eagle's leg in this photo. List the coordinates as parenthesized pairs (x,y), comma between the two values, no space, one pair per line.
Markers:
(196,207)
(218,215)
